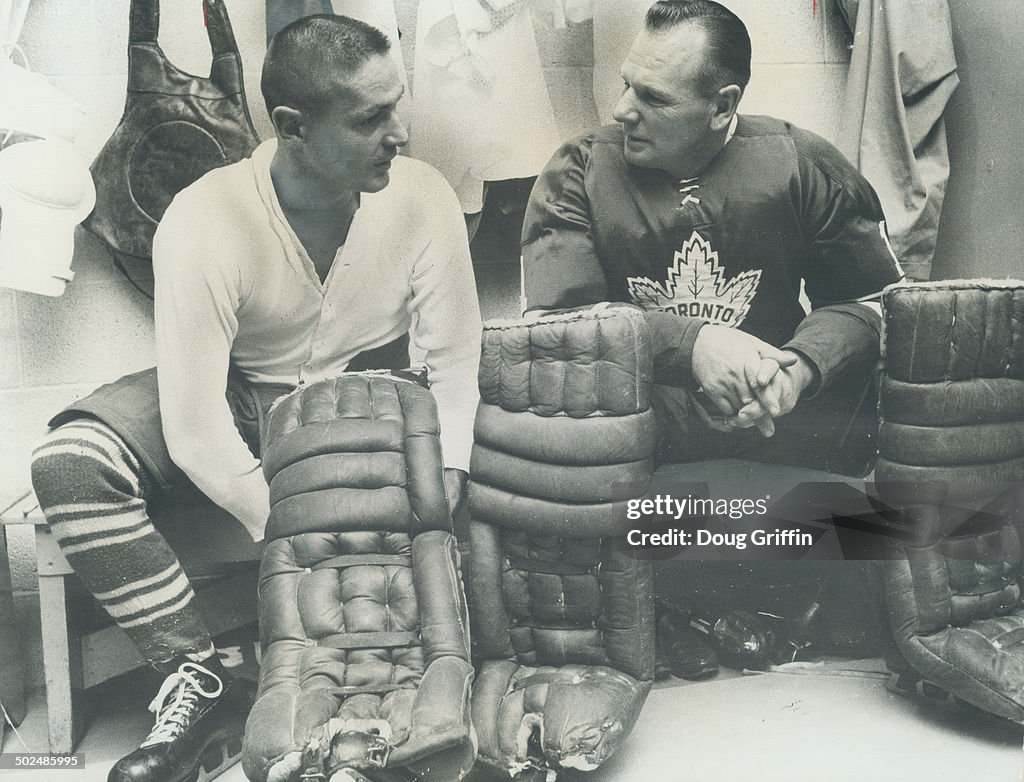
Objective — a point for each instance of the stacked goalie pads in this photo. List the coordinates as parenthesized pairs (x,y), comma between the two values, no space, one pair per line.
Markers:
(562,620)
(365,672)
(951,456)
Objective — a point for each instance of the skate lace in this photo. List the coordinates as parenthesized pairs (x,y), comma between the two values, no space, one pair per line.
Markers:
(177,701)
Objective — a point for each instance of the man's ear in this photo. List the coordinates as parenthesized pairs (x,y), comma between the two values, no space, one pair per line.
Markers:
(289,123)
(727,100)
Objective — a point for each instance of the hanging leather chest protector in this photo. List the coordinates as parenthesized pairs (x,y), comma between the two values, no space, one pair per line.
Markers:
(174,129)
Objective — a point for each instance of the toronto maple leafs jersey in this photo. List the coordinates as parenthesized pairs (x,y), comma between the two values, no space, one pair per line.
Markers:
(778,206)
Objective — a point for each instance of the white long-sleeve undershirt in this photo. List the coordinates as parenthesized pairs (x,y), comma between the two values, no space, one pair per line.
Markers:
(235,286)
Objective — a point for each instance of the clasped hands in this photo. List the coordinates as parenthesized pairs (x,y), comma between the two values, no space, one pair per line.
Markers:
(749,382)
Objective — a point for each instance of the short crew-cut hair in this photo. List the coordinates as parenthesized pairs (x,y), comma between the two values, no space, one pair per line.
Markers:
(304,57)
(728,43)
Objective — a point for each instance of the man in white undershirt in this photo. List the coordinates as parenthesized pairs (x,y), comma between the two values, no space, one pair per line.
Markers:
(323,252)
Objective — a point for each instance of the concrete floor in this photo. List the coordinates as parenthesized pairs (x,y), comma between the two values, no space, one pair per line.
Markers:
(807,723)
(833,722)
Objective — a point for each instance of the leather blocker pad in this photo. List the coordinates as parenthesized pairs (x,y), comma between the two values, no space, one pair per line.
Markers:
(950,466)
(562,617)
(366,671)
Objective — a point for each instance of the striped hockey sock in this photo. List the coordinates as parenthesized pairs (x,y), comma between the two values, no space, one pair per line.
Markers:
(93,492)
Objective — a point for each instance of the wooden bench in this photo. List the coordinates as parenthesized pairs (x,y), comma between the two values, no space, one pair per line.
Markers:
(78,653)
(12,660)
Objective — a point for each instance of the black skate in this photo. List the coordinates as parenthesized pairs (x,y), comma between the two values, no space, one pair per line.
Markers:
(200,719)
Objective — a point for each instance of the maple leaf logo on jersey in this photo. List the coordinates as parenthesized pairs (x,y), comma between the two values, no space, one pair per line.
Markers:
(697,287)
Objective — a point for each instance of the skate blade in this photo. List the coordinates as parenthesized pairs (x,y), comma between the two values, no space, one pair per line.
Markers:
(218,758)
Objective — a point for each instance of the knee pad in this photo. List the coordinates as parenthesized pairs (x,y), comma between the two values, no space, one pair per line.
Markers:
(366,664)
(562,619)
(951,456)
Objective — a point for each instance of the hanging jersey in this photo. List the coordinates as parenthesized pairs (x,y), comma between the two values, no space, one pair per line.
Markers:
(779,206)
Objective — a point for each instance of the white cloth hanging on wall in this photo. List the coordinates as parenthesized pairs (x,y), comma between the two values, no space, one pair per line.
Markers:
(902,75)
(12,19)
(45,191)
(616,24)
(481,109)
(45,186)
(561,13)
(29,103)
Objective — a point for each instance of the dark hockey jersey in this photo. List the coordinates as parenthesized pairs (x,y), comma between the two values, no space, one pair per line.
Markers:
(777,207)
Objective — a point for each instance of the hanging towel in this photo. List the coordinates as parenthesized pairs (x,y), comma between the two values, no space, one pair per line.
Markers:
(12,19)
(902,74)
(559,14)
(481,110)
(29,104)
(616,24)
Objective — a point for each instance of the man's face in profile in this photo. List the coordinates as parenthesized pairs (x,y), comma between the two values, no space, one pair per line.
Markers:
(355,135)
(663,109)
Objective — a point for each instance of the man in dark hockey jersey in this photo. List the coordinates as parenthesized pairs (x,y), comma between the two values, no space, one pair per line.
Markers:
(711,222)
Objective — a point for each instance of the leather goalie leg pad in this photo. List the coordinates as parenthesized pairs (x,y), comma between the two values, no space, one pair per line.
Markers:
(564,632)
(365,671)
(951,454)
(571,716)
(980,659)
